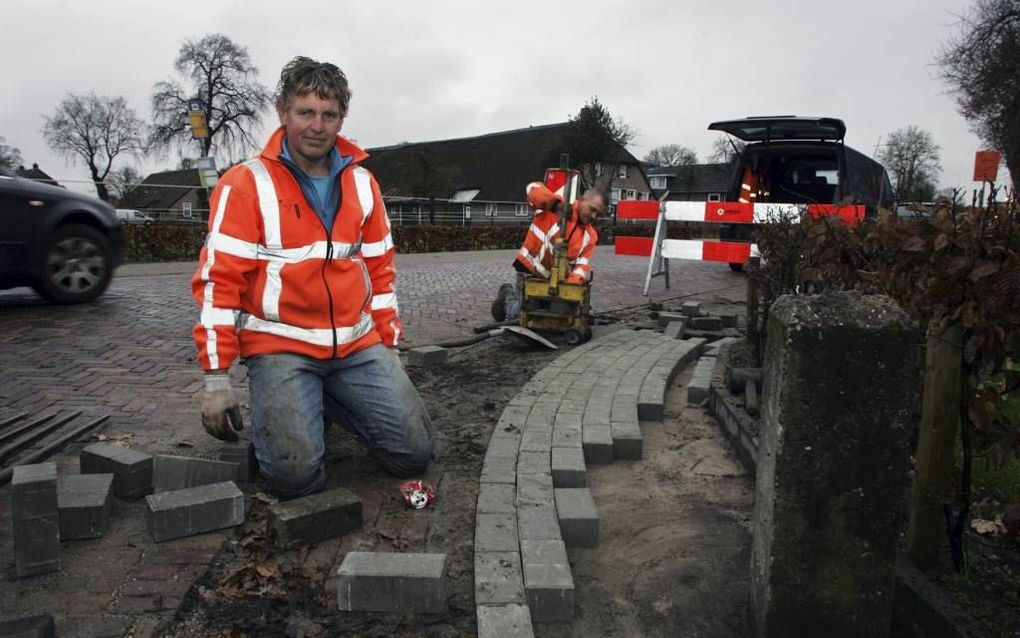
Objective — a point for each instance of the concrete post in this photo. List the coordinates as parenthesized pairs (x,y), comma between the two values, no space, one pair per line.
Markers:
(840,378)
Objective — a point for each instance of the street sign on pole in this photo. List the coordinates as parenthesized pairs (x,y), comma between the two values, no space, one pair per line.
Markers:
(207,171)
(197,120)
(986,165)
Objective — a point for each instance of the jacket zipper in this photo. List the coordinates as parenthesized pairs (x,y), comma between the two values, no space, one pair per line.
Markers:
(329,293)
(329,246)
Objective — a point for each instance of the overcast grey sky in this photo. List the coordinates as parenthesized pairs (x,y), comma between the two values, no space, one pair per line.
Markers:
(438,69)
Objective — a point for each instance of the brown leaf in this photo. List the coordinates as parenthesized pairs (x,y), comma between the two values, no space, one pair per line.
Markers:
(268,571)
(983,269)
(988,527)
(913,245)
(941,241)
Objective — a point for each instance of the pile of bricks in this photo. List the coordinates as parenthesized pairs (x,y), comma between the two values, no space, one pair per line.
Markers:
(533,503)
(192,496)
(691,320)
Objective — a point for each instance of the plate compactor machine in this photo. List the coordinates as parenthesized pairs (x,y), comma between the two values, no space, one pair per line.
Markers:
(555,305)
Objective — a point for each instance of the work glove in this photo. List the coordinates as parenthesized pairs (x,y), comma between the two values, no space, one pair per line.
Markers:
(221,414)
(575,279)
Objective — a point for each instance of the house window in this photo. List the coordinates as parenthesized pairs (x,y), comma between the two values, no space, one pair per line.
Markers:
(521,210)
(186,210)
(598,169)
(622,171)
(614,195)
(714,197)
(659,181)
(467,211)
(631,194)
(491,210)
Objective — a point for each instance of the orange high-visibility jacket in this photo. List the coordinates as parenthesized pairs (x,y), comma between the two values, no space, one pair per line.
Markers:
(748,186)
(270,280)
(537,252)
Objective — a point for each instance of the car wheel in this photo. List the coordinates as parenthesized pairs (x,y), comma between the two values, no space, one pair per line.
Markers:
(76,265)
(735,267)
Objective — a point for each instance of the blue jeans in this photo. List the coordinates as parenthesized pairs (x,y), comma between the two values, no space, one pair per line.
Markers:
(367,392)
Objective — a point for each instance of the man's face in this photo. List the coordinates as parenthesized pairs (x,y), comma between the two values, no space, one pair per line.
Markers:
(591,206)
(312,126)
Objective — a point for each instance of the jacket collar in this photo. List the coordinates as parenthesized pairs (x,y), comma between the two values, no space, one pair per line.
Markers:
(273,148)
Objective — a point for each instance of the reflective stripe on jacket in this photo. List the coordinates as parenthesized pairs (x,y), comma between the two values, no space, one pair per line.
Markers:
(270,280)
(537,252)
(748,186)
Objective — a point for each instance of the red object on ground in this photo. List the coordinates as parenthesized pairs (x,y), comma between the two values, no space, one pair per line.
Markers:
(417,494)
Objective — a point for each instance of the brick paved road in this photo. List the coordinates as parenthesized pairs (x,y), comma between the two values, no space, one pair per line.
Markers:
(130,355)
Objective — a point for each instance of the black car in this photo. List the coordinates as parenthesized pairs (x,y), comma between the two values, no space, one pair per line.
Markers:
(65,245)
(801,160)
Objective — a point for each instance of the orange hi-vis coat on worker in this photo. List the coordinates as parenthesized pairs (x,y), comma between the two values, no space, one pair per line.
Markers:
(748,186)
(269,278)
(537,252)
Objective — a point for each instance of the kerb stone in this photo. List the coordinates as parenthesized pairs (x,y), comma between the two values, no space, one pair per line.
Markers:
(665,318)
(370,581)
(241,453)
(504,621)
(194,511)
(832,465)
(315,518)
(628,444)
(568,468)
(597,443)
(171,473)
(548,585)
(84,501)
(35,519)
(706,323)
(498,578)
(131,469)
(427,356)
(675,329)
(701,381)
(579,520)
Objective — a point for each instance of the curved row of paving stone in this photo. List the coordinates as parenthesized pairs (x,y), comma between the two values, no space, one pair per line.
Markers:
(583,408)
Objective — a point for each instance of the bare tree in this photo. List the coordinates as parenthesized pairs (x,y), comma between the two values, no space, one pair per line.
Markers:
(672,155)
(595,142)
(123,180)
(912,158)
(981,62)
(10,157)
(95,130)
(725,149)
(220,73)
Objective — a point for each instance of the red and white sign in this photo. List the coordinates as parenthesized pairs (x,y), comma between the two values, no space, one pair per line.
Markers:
(556,178)
(986,165)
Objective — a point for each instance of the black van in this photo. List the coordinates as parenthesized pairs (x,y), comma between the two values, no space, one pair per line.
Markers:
(801,160)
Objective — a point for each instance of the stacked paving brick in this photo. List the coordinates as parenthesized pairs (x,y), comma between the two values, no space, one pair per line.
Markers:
(534,503)
(36,519)
(84,501)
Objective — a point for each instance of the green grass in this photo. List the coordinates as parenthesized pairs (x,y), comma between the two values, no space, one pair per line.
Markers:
(1002,484)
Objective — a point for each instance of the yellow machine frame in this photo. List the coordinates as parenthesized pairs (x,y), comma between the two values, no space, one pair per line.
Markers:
(554,305)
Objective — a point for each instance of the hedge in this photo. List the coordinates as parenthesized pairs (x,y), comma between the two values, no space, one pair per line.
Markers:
(182,242)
